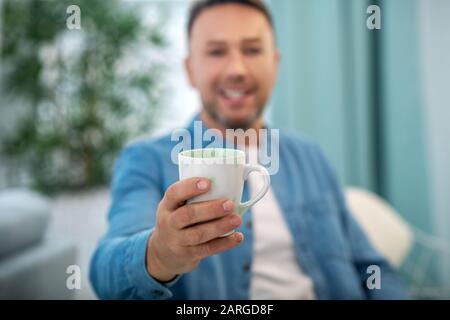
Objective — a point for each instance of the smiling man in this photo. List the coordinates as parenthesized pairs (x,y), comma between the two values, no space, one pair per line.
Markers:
(301,242)
(232,62)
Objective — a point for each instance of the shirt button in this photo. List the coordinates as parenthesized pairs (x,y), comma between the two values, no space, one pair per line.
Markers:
(249,224)
(247,267)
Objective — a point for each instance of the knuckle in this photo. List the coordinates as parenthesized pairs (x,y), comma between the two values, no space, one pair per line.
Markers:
(196,236)
(160,211)
(159,224)
(171,192)
(186,216)
(172,221)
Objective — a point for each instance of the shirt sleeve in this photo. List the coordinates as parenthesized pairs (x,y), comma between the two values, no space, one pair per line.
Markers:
(118,267)
(363,253)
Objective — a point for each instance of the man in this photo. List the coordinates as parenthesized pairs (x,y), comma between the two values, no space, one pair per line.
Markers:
(159,247)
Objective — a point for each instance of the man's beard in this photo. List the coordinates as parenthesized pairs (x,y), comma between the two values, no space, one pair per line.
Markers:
(245,124)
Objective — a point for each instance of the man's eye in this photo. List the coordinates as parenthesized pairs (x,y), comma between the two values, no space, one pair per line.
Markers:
(252,51)
(216,53)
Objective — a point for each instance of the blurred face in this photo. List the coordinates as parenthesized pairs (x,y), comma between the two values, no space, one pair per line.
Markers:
(233,63)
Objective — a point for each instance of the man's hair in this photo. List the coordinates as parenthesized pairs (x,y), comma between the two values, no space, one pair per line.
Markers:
(201,5)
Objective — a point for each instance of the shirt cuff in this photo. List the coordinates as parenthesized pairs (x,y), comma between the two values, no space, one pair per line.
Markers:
(136,269)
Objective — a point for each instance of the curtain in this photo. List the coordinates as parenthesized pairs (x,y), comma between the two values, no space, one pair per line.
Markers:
(357,92)
(360,94)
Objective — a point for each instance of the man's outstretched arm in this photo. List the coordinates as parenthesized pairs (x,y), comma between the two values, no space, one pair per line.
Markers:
(118,267)
(154,236)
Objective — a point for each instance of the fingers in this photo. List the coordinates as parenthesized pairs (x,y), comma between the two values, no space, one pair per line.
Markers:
(194,213)
(217,245)
(202,233)
(183,190)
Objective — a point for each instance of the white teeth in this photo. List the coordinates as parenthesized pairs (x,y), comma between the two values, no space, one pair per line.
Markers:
(234,94)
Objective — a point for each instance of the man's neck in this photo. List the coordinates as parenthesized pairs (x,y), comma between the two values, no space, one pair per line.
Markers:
(213,124)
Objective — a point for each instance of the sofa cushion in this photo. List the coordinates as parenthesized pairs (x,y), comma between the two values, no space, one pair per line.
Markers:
(24,216)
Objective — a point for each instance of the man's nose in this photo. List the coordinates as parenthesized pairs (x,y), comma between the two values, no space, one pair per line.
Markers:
(236,67)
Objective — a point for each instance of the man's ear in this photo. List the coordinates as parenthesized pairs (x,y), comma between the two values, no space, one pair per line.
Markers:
(277,58)
(188,68)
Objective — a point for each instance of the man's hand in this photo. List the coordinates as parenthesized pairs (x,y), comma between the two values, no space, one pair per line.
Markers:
(186,233)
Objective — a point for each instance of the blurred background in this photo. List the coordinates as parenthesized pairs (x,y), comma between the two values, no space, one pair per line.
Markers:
(377,101)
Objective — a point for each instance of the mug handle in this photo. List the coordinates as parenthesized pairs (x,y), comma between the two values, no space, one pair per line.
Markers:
(242,207)
(265,174)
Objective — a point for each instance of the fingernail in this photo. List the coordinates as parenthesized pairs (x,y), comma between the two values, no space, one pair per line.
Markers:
(202,185)
(228,205)
(238,236)
(235,221)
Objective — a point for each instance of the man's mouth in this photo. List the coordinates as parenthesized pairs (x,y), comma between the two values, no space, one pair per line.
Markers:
(235,96)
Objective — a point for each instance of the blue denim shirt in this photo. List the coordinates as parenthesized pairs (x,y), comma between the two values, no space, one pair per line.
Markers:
(329,245)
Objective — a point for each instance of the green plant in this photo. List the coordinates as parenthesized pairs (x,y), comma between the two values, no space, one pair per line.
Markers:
(86,92)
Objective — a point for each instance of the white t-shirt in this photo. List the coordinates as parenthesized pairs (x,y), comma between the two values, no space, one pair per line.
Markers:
(275,272)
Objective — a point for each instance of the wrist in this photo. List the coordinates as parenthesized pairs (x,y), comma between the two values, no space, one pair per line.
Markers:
(154,266)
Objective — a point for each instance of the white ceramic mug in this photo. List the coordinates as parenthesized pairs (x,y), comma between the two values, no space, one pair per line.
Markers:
(227,171)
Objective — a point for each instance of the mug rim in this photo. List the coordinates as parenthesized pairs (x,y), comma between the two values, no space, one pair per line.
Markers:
(237,153)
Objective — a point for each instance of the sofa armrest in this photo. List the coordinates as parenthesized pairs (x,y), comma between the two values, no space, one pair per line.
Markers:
(38,272)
